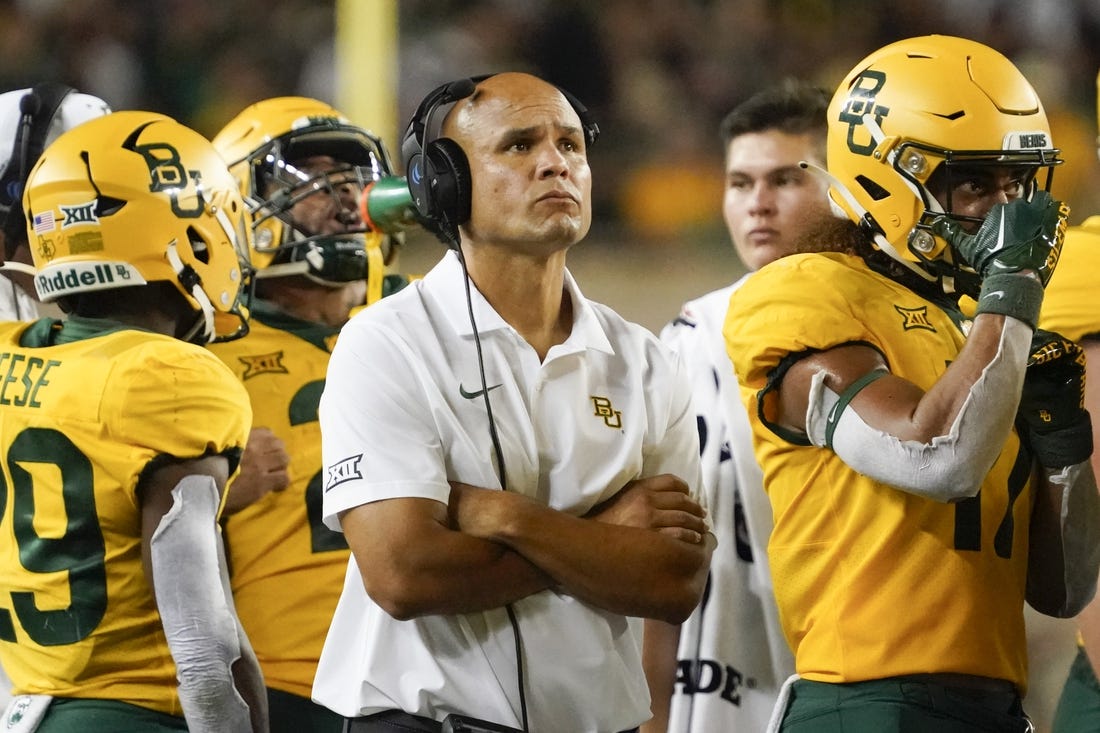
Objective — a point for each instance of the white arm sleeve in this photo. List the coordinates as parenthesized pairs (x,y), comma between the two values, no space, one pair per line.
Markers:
(949,467)
(198,618)
(1080,534)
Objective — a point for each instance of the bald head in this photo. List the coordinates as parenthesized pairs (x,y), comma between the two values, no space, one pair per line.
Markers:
(529,174)
(513,93)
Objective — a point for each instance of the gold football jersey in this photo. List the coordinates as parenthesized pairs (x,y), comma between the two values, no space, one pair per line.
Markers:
(1069,305)
(80,421)
(872,581)
(287,568)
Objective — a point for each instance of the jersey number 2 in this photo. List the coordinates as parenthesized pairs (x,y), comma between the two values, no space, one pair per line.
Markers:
(303,409)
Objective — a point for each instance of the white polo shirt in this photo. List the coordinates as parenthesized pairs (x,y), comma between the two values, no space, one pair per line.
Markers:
(400,417)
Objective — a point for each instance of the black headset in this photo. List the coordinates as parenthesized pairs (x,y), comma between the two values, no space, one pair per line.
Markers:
(37,109)
(438,171)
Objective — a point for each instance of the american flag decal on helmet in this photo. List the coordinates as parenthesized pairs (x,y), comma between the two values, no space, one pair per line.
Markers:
(43,222)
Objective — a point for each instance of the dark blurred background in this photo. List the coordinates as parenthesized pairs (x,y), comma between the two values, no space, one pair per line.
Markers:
(659,74)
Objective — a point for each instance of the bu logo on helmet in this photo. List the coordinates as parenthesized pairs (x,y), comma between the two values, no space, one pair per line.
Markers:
(167,173)
(860,103)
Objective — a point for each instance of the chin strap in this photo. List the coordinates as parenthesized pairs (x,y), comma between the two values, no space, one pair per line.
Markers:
(193,284)
(19,267)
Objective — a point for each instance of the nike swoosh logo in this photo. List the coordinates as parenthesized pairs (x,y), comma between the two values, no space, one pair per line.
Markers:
(998,294)
(474,395)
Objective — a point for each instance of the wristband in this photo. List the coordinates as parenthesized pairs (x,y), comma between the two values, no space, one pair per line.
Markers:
(1015,295)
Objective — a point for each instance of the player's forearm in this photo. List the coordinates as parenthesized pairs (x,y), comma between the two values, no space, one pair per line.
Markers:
(249,681)
(989,369)
(941,443)
(199,624)
(1064,553)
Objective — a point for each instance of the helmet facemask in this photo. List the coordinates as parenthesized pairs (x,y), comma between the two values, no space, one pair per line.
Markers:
(269,146)
(327,258)
(937,192)
(331,170)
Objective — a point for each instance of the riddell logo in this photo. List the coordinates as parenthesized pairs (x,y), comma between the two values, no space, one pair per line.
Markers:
(87,276)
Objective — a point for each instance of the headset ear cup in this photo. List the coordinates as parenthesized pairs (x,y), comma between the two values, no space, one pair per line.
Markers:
(38,108)
(450,179)
(419,184)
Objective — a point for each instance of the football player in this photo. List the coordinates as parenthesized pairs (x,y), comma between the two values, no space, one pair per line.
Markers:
(914,512)
(119,432)
(1069,308)
(302,168)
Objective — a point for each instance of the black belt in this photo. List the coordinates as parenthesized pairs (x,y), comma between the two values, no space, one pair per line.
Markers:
(391,720)
(986,685)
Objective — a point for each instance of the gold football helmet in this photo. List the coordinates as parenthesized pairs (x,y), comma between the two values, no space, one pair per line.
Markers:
(910,108)
(132,198)
(265,145)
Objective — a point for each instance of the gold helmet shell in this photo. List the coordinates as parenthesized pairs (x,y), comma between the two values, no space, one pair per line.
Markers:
(262,144)
(135,197)
(914,106)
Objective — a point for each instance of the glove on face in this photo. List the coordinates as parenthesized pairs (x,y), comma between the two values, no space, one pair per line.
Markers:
(1019,235)
(1052,406)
